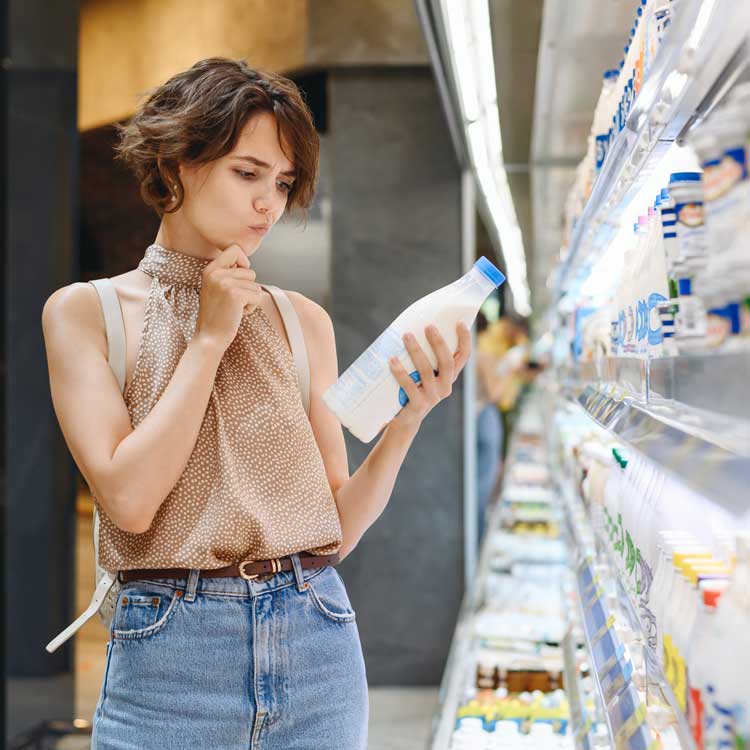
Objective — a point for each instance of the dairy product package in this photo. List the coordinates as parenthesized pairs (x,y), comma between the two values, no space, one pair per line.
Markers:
(367,396)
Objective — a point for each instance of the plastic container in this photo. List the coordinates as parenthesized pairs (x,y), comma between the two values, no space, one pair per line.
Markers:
(705,645)
(367,396)
(727,688)
(686,191)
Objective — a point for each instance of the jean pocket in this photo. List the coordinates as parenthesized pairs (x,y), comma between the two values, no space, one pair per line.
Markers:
(143,609)
(328,595)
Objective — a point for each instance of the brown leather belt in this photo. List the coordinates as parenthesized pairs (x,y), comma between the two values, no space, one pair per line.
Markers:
(248,569)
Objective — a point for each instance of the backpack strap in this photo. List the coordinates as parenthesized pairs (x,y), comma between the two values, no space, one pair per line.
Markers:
(107,584)
(296,340)
(115,326)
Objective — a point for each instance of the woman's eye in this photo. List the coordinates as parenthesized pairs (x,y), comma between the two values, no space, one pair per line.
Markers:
(285,186)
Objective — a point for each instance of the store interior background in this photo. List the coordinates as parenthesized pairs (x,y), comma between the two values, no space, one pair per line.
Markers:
(395,217)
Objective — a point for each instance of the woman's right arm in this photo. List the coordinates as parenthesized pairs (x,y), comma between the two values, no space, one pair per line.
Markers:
(129,471)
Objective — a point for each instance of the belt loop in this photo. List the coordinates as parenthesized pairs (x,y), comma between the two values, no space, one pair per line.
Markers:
(297,566)
(192,584)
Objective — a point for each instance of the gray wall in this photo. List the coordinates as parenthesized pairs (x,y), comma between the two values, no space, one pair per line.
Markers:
(41,193)
(396,235)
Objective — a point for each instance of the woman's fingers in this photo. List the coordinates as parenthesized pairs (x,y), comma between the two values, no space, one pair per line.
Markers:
(444,359)
(432,386)
(461,357)
(404,380)
(421,362)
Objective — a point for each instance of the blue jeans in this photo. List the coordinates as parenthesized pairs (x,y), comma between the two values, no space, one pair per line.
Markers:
(489,450)
(232,664)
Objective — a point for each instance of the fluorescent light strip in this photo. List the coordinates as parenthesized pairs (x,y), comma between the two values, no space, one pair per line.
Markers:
(467,26)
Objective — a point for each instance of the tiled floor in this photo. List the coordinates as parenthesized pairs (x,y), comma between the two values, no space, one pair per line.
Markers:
(400,718)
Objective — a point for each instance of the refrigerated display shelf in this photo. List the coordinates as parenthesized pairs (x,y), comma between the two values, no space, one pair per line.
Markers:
(581,724)
(698,60)
(454,676)
(709,452)
(609,579)
(710,380)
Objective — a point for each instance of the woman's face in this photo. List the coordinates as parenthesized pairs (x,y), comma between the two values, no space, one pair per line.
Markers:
(248,187)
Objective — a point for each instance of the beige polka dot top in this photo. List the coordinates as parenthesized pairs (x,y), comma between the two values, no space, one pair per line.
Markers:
(255,486)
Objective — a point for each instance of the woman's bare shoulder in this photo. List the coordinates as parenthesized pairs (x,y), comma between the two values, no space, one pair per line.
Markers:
(73,310)
(313,317)
(78,305)
(320,339)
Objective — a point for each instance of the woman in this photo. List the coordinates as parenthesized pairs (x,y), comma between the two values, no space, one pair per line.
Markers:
(222,504)
(489,428)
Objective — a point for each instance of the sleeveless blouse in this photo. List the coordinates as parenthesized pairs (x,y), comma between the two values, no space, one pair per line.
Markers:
(255,486)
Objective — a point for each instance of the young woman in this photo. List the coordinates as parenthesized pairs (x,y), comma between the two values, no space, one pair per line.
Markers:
(223,506)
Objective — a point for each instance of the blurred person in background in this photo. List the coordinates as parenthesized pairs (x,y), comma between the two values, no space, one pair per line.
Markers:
(489,426)
(507,340)
(224,505)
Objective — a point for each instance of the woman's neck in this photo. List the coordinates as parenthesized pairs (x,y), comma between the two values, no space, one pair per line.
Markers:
(175,234)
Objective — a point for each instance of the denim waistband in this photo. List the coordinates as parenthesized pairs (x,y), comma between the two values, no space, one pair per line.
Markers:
(202,583)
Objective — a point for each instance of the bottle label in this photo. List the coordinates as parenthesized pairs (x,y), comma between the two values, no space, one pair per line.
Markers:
(354,384)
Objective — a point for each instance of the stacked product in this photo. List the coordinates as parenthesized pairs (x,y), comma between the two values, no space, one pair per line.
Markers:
(620,87)
(667,588)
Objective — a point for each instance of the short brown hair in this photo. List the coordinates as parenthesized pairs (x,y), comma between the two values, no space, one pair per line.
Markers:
(197,116)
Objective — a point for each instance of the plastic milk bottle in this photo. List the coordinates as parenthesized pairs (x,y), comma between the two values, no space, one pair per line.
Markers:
(367,396)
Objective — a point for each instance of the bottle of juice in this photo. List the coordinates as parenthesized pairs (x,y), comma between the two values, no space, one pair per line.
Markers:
(367,396)
(705,645)
(727,700)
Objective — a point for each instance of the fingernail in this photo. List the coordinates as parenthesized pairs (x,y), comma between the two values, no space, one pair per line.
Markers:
(432,328)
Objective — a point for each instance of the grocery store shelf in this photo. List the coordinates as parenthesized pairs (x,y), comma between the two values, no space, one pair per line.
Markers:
(604,575)
(698,61)
(452,684)
(682,728)
(711,380)
(707,451)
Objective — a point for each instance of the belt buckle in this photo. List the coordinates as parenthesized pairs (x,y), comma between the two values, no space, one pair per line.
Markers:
(275,568)
(244,575)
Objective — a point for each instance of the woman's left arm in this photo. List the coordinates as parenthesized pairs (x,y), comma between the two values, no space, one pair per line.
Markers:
(362,497)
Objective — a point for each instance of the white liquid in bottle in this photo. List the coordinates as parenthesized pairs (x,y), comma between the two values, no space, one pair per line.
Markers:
(367,396)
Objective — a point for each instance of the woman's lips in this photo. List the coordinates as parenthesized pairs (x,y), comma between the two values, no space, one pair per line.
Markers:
(260,230)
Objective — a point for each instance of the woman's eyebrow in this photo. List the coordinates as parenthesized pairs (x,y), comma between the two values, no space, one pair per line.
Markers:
(260,163)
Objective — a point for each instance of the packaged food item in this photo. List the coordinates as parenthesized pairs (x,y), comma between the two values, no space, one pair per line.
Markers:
(720,144)
(367,396)
(686,191)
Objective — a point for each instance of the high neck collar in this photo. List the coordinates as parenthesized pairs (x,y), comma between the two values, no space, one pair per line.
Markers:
(172,266)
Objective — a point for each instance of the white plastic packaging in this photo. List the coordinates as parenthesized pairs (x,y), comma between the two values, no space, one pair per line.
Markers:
(367,395)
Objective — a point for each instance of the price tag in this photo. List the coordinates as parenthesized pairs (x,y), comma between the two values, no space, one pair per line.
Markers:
(602,630)
(596,595)
(589,588)
(630,727)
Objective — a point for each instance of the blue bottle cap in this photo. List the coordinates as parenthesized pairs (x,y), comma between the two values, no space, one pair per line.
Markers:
(494,274)
(664,194)
(684,177)
(684,287)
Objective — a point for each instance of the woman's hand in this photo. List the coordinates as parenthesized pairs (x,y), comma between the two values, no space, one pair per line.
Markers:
(433,386)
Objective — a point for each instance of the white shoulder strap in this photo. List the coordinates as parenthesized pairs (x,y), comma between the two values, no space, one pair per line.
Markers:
(115,326)
(296,340)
